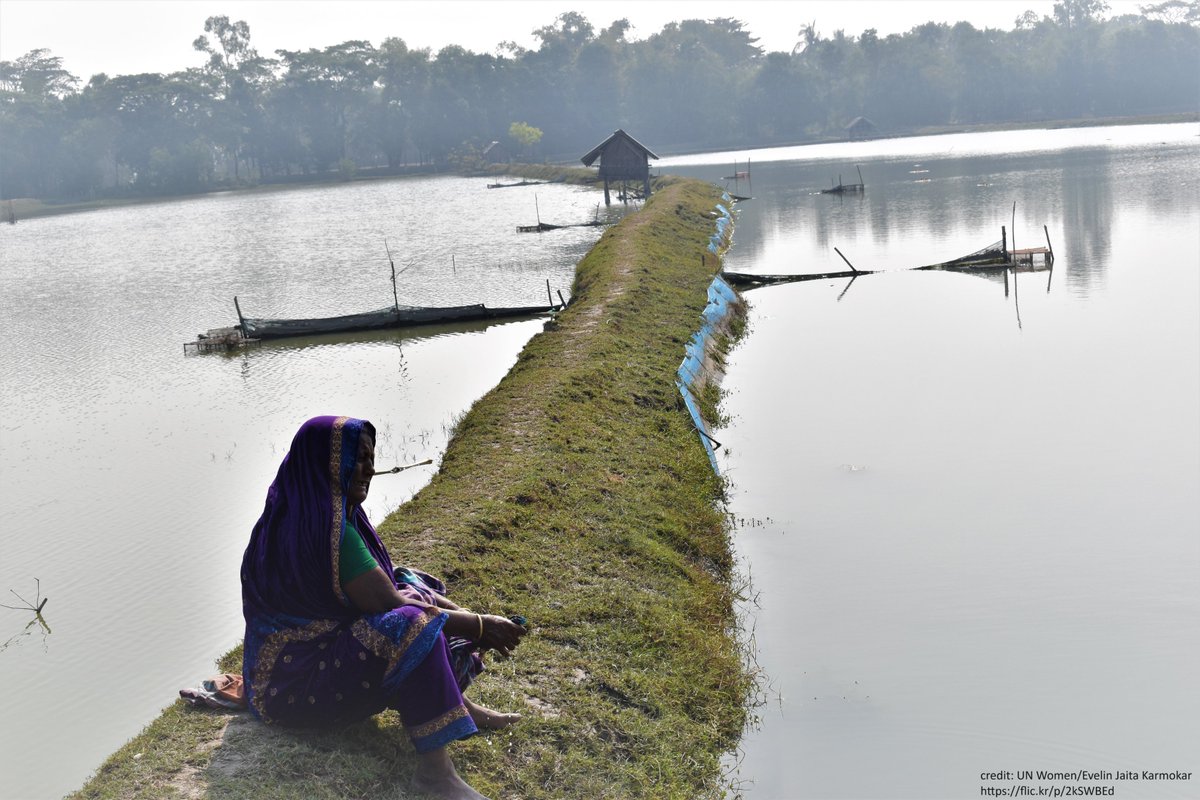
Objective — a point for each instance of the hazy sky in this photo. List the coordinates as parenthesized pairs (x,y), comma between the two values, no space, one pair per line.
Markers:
(128,36)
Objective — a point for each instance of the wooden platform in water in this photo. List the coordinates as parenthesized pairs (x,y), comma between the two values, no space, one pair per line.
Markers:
(219,339)
(1028,255)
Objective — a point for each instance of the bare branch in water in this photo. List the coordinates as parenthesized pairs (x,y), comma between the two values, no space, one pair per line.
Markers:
(37,617)
(34,607)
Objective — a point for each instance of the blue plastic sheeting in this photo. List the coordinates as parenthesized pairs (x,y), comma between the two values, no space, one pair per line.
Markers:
(694,409)
(720,296)
(724,221)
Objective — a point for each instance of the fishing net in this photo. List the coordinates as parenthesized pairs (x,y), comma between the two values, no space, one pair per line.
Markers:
(993,252)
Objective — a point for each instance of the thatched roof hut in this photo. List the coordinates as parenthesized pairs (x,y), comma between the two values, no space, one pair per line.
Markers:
(860,128)
(622,158)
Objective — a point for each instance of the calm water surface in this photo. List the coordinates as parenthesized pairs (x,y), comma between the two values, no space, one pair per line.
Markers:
(131,475)
(971,514)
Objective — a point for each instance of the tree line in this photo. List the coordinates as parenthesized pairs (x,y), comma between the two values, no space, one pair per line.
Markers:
(244,118)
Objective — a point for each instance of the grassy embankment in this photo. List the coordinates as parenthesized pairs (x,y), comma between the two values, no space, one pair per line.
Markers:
(578,494)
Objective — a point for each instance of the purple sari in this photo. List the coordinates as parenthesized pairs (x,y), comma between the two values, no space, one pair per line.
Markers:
(311,657)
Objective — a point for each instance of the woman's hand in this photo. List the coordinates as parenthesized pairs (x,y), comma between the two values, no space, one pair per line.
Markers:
(445,602)
(500,634)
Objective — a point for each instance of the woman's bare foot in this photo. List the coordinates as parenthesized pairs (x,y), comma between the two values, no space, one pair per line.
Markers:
(436,776)
(487,719)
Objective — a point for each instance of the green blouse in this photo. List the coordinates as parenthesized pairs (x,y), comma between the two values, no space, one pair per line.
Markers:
(353,558)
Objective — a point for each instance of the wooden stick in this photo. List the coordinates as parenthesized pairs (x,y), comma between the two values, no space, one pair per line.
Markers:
(839,252)
(394,470)
(549,296)
(395,297)
(1014,225)
(848,285)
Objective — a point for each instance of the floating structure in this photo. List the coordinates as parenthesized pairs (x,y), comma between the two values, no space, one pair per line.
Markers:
(391,317)
(737,177)
(739,174)
(996,256)
(254,329)
(843,188)
(219,339)
(540,227)
(519,183)
(546,226)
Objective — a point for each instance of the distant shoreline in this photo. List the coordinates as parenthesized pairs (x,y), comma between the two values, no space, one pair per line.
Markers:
(942,130)
(29,208)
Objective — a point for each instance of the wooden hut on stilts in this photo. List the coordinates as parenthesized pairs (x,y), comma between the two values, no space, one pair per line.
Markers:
(622,159)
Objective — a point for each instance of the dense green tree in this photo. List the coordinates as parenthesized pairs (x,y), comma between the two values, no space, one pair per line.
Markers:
(524,135)
(239,79)
(1175,11)
(1075,13)
(330,92)
(38,76)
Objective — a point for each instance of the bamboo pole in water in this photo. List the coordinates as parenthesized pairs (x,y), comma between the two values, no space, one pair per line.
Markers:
(395,297)
(1014,225)
(839,252)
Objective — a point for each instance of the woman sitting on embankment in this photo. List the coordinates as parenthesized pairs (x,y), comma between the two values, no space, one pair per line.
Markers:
(334,634)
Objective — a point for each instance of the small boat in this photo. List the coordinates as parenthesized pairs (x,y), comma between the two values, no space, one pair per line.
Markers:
(390,317)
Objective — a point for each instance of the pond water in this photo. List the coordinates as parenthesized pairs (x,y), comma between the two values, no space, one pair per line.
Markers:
(970,508)
(133,474)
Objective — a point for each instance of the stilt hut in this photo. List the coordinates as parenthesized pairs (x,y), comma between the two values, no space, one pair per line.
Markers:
(860,128)
(496,153)
(622,159)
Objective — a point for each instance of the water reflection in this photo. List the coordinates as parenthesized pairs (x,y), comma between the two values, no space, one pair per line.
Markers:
(952,199)
(1088,218)
(131,475)
(1006,578)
